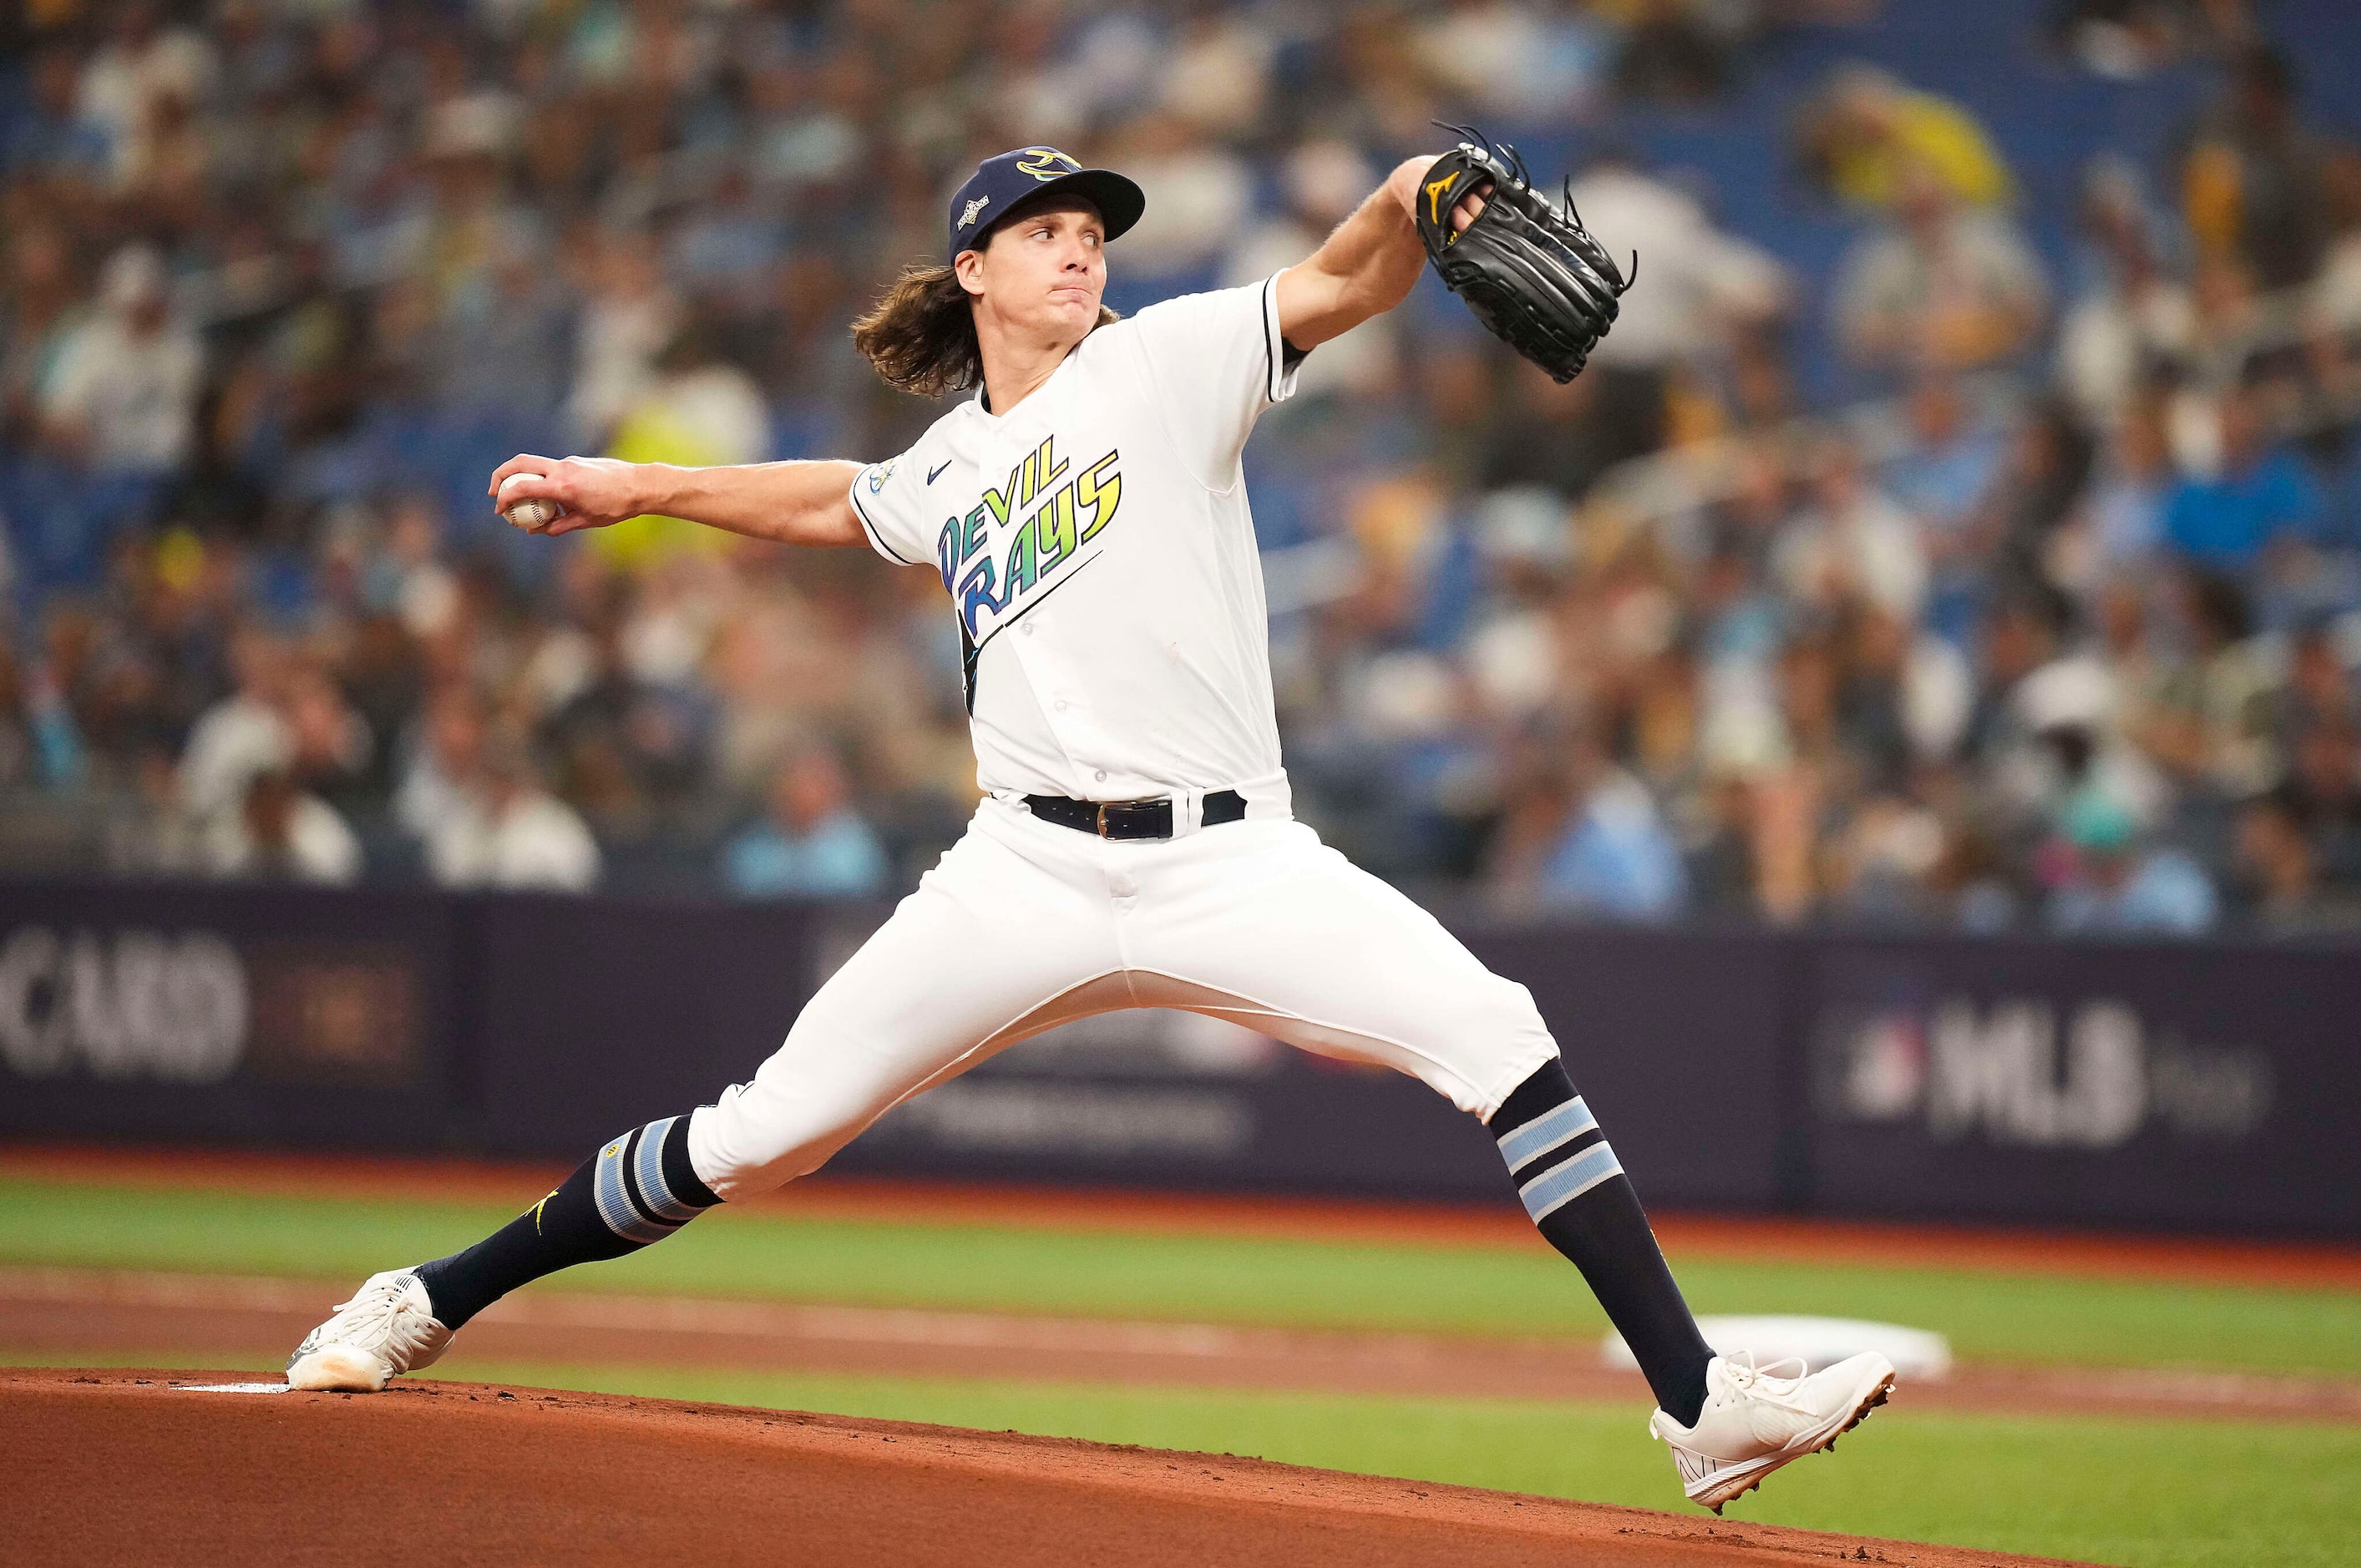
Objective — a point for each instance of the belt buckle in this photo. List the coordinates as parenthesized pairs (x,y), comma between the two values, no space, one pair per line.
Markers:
(1120,806)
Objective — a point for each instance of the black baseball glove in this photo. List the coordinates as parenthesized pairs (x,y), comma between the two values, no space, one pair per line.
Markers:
(1531,273)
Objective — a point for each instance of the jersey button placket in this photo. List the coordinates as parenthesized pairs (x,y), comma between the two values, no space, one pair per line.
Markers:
(1050,669)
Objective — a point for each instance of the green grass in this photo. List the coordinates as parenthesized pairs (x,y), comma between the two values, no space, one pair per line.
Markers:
(2153,1493)
(1524,1291)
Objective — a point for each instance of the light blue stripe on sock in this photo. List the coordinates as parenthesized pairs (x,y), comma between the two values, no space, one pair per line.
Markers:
(649,1168)
(1553,1188)
(615,1204)
(1546,1132)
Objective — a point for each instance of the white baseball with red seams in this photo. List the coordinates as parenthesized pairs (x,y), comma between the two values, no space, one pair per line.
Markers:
(1100,553)
(534,511)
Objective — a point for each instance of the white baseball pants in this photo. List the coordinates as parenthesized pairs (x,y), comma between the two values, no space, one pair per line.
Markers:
(1025,925)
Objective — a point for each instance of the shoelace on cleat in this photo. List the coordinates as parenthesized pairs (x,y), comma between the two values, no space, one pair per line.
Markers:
(371,1312)
(1761,1382)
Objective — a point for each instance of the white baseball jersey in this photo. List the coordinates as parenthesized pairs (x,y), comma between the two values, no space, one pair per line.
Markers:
(1100,555)
(1098,550)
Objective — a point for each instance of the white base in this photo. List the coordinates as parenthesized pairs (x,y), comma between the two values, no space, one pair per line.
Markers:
(1820,1342)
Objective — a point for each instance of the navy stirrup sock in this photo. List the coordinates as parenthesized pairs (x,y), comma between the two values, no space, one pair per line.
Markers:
(1574,1189)
(636,1190)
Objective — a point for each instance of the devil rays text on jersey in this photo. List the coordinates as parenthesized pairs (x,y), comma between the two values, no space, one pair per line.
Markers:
(1025,536)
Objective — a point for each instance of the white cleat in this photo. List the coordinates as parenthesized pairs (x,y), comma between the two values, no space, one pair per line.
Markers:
(389,1326)
(1758,1418)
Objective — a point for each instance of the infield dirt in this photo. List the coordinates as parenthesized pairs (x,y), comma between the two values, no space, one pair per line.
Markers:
(90,1313)
(114,1466)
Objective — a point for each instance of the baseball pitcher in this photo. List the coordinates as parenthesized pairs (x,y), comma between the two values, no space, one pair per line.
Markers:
(1086,511)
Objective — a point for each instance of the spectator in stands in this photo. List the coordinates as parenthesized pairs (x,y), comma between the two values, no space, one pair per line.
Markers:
(511,833)
(1678,51)
(2126,39)
(2252,175)
(1524,540)
(698,409)
(2133,321)
(1949,455)
(2022,636)
(1199,195)
(2280,864)
(330,747)
(1588,839)
(1707,290)
(1564,435)
(1852,544)
(51,135)
(2118,535)
(2336,293)
(1523,63)
(2215,714)
(810,842)
(1883,861)
(1943,286)
(2264,494)
(506,337)
(2048,468)
(1321,185)
(1866,137)
(123,393)
(16,763)
(2318,689)
(406,573)
(2323,791)
(1217,76)
(282,832)
(141,63)
(725,251)
(629,315)
(2114,884)
(242,735)
(627,747)
(446,767)
(42,299)
(1944,472)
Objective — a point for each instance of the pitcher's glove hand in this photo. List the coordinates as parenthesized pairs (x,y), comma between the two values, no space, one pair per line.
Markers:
(1525,265)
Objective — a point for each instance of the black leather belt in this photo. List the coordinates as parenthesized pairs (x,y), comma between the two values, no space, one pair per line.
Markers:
(1150,818)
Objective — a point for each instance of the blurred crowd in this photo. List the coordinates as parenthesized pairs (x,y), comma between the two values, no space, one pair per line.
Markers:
(2058,632)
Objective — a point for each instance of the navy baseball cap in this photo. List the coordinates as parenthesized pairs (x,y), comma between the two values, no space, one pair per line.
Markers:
(1000,184)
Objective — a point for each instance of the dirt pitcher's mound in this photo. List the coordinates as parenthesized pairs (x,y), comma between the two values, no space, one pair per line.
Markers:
(119,1467)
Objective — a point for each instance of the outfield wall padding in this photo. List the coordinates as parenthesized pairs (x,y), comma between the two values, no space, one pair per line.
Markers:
(2202,1086)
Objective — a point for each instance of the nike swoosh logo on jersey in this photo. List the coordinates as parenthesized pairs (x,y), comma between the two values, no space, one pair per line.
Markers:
(937,473)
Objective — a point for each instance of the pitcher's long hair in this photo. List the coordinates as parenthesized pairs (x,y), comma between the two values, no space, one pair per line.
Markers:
(920,334)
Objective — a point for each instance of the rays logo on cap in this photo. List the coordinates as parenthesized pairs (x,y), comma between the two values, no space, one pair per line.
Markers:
(1001,186)
(1047,163)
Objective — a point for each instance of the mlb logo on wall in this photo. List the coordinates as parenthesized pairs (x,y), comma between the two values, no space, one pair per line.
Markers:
(2031,1072)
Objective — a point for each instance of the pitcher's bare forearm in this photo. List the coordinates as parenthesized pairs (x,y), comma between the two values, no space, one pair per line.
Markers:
(1366,266)
(786,503)
(793,502)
